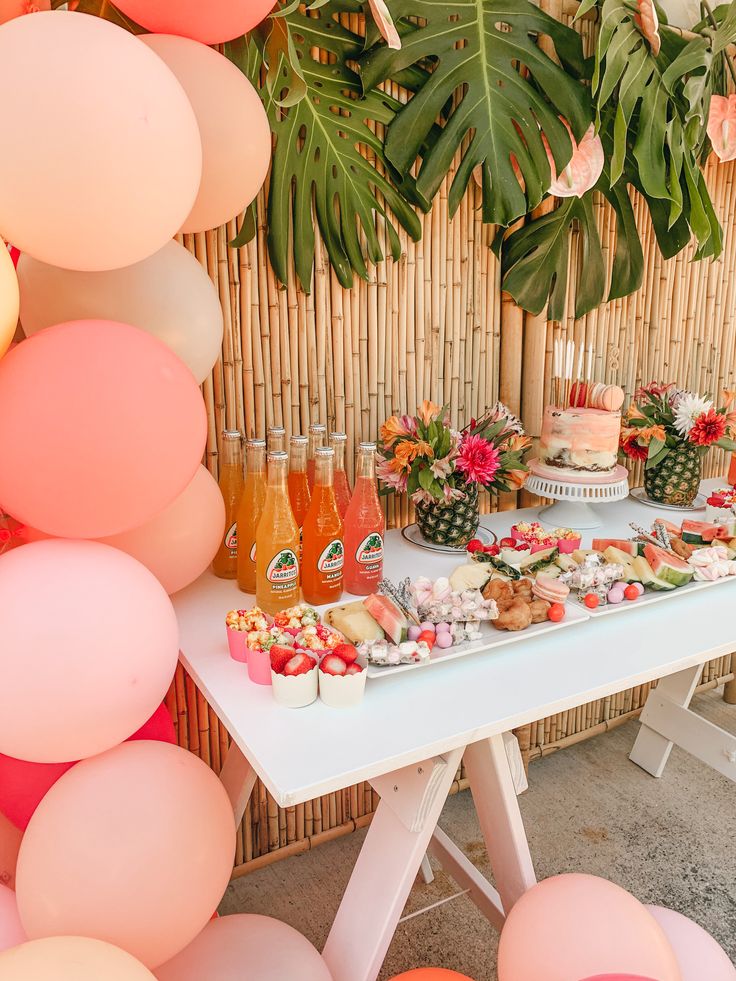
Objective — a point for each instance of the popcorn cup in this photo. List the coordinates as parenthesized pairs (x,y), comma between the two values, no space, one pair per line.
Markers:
(342,691)
(295,691)
(259,667)
(236,642)
(569,545)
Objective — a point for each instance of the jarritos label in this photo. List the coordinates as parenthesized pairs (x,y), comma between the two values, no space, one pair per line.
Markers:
(331,560)
(231,539)
(283,570)
(370,550)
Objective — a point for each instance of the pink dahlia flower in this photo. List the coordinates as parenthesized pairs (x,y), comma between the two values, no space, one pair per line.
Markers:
(477,460)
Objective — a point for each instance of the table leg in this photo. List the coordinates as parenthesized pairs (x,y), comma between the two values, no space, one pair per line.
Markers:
(238,778)
(411,802)
(494,795)
(651,749)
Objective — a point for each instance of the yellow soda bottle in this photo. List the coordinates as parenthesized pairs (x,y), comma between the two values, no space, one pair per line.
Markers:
(249,512)
(277,542)
(225,563)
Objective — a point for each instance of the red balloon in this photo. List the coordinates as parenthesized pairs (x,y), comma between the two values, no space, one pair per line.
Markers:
(23,784)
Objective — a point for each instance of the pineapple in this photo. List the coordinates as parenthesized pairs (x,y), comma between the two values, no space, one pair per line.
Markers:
(452,524)
(677,478)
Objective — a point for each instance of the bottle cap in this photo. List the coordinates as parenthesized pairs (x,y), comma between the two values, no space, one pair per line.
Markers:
(317,428)
(339,437)
(276,431)
(231,434)
(368,447)
(275,456)
(256,444)
(324,451)
(299,440)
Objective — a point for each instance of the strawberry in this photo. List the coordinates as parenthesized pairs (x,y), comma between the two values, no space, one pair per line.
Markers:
(353,669)
(491,549)
(299,664)
(508,543)
(280,656)
(332,664)
(475,545)
(348,652)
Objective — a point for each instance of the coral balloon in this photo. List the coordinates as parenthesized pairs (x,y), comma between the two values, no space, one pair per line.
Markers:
(11,930)
(233,126)
(121,133)
(246,947)
(180,542)
(211,22)
(10,839)
(582,926)
(699,956)
(23,785)
(114,427)
(17,8)
(88,648)
(70,959)
(431,974)
(173,834)
(168,294)
(9,300)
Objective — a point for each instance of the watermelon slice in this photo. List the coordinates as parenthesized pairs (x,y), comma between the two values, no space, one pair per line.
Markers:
(698,532)
(622,544)
(668,567)
(388,616)
(674,531)
(647,578)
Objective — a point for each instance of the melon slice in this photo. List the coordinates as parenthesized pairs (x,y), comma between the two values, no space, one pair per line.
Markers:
(668,567)
(354,621)
(647,578)
(697,532)
(388,616)
(622,544)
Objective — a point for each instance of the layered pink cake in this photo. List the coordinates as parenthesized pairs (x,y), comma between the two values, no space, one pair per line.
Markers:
(579,440)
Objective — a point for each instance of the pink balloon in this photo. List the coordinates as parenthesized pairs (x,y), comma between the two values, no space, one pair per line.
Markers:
(698,954)
(121,133)
(17,8)
(10,839)
(88,648)
(211,22)
(619,977)
(233,126)
(114,428)
(23,785)
(581,926)
(180,542)
(70,959)
(431,974)
(134,847)
(11,929)
(246,947)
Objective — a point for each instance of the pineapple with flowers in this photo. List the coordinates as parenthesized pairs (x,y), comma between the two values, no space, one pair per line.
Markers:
(672,430)
(443,469)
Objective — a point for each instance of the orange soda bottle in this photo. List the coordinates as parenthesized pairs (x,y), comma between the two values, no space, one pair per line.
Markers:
(225,563)
(299,495)
(317,435)
(277,543)
(249,512)
(732,471)
(323,550)
(364,528)
(338,442)
(276,439)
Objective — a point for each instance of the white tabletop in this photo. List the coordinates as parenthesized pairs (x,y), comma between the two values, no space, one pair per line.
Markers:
(303,753)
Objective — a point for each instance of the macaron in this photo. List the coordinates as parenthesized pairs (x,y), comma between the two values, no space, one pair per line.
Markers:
(547,588)
(612,398)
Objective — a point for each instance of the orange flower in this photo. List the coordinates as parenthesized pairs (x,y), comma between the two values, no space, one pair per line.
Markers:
(633,412)
(428,411)
(393,429)
(648,433)
(729,397)
(516,478)
(517,443)
(406,452)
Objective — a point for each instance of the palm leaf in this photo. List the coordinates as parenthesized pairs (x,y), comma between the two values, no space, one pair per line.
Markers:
(507,90)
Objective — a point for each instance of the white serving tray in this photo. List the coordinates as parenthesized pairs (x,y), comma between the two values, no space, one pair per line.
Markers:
(653,596)
(492,639)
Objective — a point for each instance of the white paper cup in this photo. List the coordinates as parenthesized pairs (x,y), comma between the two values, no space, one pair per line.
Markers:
(296,690)
(342,690)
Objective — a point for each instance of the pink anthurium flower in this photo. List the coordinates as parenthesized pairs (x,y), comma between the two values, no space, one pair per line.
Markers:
(648,23)
(384,22)
(722,126)
(584,168)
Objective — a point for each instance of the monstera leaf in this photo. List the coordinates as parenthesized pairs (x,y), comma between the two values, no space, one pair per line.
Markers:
(507,92)
(318,168)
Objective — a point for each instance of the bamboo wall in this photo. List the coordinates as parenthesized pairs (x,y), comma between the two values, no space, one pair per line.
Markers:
(436,325)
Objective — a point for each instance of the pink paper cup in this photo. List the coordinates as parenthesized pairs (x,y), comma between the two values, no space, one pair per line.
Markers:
(569,545)
(236,642)
(259,667)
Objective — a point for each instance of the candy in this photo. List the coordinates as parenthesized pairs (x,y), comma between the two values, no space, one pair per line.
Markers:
(413,632)
(615,595)
(444,640)
(427,625)
(631,592)
(591,601)
(442,627)
(556,612)
(639,587)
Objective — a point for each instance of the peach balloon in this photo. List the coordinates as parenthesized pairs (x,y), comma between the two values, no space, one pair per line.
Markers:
(70,959)
(120,133)
(88,648)
(114,427)
(698,954)
(10,839)
(181,541)
(211,22)
(168,294)
(233,126)
(246,947)
(431,974)
(17,8)
(11,930)
(134,847)
(582,926)
(9,300)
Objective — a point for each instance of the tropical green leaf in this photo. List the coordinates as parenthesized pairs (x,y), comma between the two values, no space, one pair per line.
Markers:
(328,161)
(507,92)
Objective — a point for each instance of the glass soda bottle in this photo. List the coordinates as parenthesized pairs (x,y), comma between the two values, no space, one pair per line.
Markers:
(276,439)
(225,563)
(299,494)
(364,528)
(732,471)
(338,442)
(277,542)
(317,436)
(249,512)
(323,550)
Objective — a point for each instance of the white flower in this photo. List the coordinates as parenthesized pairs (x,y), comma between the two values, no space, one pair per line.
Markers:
(687,410)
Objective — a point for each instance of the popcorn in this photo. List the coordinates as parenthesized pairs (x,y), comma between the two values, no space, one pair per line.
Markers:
(247,620)
(296,617)
(317,637)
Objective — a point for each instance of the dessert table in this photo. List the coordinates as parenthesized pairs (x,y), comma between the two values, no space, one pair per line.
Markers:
(410,732)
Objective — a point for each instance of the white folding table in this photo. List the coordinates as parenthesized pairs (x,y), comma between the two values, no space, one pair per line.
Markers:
(411,731)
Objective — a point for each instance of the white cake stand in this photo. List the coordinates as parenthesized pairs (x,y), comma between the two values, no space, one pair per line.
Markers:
(574,498)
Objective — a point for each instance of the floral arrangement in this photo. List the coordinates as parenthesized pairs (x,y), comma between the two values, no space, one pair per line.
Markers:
(663,416)
(425,457)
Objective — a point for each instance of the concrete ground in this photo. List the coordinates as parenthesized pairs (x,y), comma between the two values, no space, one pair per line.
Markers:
(588,809)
